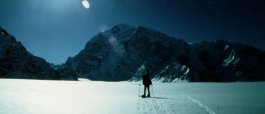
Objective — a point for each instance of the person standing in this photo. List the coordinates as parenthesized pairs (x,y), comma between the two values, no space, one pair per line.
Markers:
(147,82)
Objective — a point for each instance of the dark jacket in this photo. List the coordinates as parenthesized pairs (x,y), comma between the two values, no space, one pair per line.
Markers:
(146,79)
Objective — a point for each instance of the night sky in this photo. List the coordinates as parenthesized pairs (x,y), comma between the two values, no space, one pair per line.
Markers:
(57,29)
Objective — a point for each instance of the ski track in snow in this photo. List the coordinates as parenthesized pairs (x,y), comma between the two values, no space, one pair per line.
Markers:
(207,109)
(161,101)
(157,105)
(153,105)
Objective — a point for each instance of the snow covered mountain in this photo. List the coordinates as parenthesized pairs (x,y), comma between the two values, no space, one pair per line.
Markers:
(17,62)
(124,51)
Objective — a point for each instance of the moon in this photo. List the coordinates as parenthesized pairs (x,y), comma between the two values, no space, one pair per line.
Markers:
(86,4)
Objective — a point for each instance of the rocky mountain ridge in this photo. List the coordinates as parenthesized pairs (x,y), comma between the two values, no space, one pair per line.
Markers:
(122,51)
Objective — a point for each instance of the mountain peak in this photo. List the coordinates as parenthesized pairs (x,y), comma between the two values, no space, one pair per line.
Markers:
(121,28)
(6,36)
(122,25)
(2,32)
(17,62)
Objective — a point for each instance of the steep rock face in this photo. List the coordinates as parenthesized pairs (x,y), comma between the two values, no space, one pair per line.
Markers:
(221,61)
(250,66)
(102,58)
(117,53)
(123,52)
(16,62)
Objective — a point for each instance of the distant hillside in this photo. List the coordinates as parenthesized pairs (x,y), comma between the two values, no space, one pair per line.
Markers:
(17,62)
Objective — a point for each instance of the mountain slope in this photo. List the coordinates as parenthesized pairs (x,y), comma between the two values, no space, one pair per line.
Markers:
(17,62)
(121,52)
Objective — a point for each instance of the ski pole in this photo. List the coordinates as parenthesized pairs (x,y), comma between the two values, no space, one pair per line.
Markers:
(139,93)
(153,90)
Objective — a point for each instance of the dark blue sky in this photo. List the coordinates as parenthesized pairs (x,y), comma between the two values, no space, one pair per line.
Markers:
(57,29)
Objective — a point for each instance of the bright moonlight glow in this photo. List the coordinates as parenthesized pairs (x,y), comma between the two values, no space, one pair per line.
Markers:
(86,4)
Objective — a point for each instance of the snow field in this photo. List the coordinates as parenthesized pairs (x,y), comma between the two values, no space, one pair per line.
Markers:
(82,97)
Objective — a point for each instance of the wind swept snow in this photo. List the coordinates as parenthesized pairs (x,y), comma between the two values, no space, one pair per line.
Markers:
(90,97)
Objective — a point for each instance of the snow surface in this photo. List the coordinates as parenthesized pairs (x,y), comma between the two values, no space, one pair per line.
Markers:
(90,97)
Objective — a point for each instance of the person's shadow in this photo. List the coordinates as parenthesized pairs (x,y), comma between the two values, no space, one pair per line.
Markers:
(160,98)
